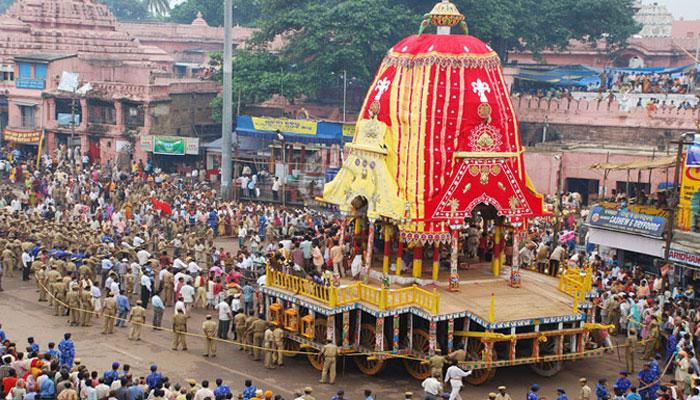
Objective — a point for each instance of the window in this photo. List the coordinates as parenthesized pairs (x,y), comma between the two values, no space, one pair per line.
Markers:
(7,73)
(27,115)
(40,71)
(25,71)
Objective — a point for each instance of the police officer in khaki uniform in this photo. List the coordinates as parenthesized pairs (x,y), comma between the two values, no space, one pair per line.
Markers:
(109,312)
(278,337)
(269,343)
(248,335)
(239,326)
(86,306)
(59,293)
(179,330)
(630,349)
(209,328)
(259,326)
(41,281)
(8,261)
(73,300)
(437,363)
(137,318)
(52,276)
(586,392)
(329,354)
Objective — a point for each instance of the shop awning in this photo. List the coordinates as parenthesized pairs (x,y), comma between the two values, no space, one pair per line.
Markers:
(292,131)
(661,162)
(628,242)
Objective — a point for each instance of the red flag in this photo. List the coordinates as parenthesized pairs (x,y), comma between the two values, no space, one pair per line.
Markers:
(164,207)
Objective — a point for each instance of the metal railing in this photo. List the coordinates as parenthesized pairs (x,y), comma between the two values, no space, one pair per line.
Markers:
(332,296)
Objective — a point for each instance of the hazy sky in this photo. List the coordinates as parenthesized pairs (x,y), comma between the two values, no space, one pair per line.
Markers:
(688,9)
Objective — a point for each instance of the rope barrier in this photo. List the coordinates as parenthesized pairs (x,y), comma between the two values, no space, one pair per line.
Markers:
(377,354)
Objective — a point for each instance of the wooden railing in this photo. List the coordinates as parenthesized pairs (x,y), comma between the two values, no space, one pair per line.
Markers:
(332,296)
(576,282)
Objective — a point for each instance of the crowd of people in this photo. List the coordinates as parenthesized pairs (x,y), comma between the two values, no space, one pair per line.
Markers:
(107,243)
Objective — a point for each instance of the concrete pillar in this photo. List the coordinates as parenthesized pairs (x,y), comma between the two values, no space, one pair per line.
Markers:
(119,115)
(84,114)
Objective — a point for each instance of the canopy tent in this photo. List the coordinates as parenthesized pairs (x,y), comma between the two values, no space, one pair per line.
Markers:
(657,163)
(582,75)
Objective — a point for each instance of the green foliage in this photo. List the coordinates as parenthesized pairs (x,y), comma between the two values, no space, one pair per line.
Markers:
(158,8)
(325,37)
(127,10)
(245,13)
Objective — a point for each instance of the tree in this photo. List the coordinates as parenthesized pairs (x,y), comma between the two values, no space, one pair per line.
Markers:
(4,4)
(245,13)
(324,37)
(127,10)
(158,7)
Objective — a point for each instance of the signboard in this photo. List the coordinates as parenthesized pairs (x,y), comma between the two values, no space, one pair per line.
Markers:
(692,158)
(166,145)
(68,82)
(348,130)
(684,257)
(285,125)
(22,137)
(627,222)
(171,145)
(689,203)
(30,84)
(146,143)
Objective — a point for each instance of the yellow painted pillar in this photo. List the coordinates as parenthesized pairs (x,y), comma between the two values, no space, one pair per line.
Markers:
(399,258)
(417,261)
(358,227)
(436,261)
(387,248)
(496,258)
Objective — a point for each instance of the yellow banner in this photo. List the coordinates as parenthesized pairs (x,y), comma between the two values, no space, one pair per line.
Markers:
(349,130)
(284,125)
(31,137)
(689,204)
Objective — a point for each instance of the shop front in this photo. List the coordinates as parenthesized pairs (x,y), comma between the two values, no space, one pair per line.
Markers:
(172,153)
(636,239)
(25,143)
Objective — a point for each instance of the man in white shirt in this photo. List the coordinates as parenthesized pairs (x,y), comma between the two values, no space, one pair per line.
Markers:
(204,392)
(27,260)
(432,387)
(192,267)
(178,264)
(454,375)
(146,290)
(143,256)
(225,317)
(187,293)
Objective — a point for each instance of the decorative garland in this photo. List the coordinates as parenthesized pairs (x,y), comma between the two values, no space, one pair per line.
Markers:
(488,61)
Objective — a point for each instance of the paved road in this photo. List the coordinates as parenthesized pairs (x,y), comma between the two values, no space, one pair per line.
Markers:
(22,315)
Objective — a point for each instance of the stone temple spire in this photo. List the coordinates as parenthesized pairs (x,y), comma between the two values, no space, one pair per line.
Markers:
(199,20)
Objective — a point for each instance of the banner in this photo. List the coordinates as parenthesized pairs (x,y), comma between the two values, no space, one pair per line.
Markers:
(31,137)
(284,125)
(692,159)
(168,145)
(689,203)
(626,222)
(349,130)
(684,257)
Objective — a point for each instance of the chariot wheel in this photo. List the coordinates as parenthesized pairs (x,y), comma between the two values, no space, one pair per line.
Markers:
(320,334)
(420,349)
(368,366)
(291,347)
(475,352)
(551,367)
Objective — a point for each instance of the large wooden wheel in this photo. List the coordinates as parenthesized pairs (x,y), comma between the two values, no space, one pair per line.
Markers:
(368,365)
(547,368)
(475,352)
(420,349)
(291,347)
(320,334)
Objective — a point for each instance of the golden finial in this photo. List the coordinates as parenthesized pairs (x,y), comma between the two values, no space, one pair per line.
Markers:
(445,14)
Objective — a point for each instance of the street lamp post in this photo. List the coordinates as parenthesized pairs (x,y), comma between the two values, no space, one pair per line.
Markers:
(345,93)
(227,113)
(280,138)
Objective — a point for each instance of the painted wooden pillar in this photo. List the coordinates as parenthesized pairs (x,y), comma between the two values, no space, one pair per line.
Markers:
(512,347)
(387,248)
(450,335)
(396,332)
(436,261)
(357,229)
(536,345)
(330,328)
(343,223)
(399,258)
(379,335)
(417,261)
(432,337)
(496,258)
(467,325)
(346,329)
(454,260)
(370,248)
(358,327)
(410,331)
